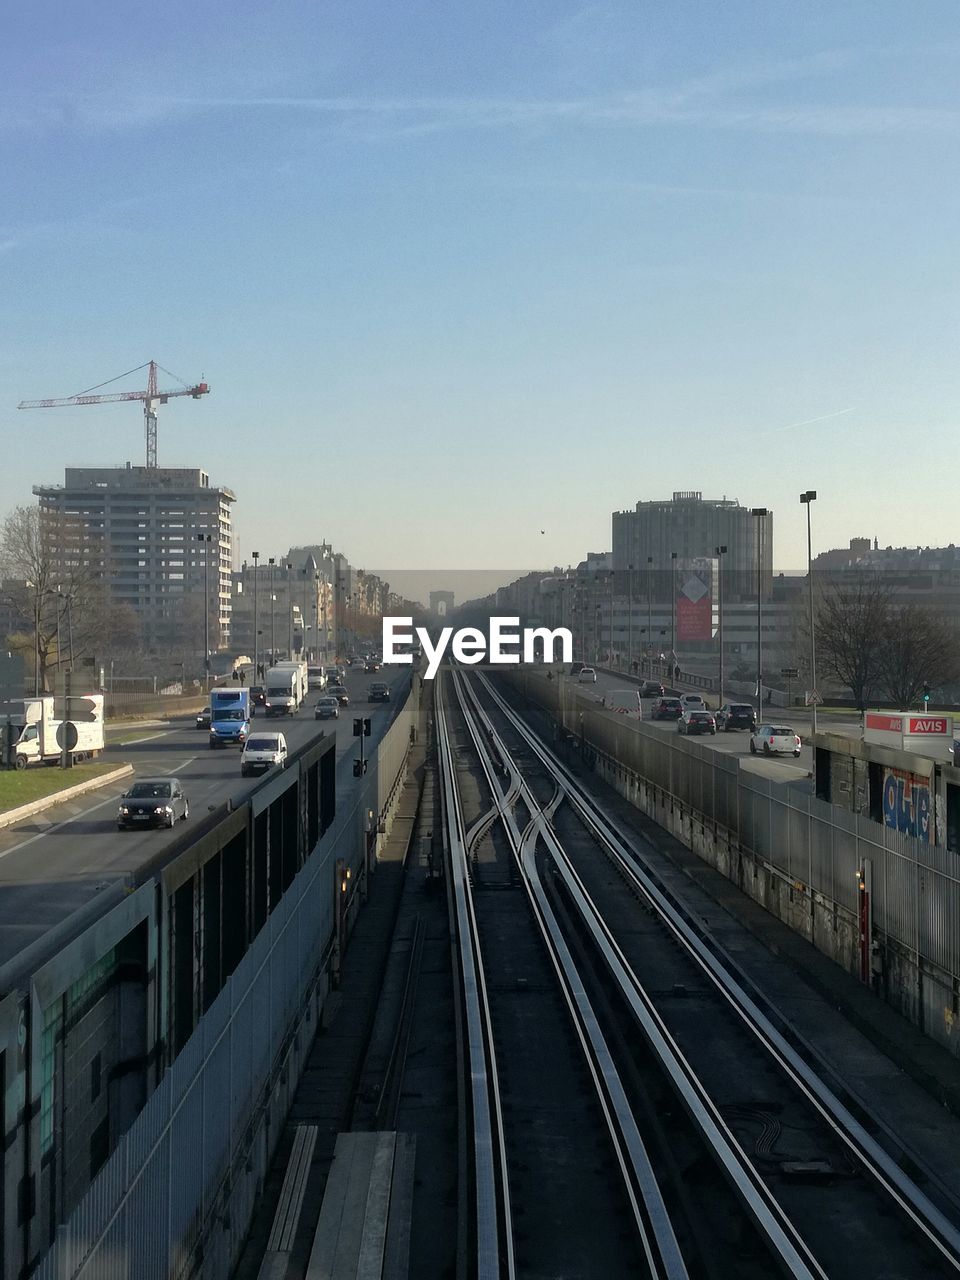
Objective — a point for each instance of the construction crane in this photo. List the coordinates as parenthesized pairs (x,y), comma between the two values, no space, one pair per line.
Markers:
(151,399)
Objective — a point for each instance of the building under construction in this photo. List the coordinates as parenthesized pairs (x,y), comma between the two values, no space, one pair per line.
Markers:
(159,538)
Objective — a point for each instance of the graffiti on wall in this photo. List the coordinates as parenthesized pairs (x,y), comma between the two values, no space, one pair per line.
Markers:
(906,804)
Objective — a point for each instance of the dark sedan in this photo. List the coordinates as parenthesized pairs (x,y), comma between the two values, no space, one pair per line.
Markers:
(651,689)
(339,692)
(203,718)
(736,715)
(258,698)
(379,692)
(667,709)
(152,802)
(696,722)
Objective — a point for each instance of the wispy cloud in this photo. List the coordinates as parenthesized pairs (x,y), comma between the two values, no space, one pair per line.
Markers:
(806,422)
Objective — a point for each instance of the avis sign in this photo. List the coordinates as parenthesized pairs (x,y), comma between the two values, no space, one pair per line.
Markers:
(930,736)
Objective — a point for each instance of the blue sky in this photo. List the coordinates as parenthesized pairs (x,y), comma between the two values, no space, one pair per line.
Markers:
(459,273)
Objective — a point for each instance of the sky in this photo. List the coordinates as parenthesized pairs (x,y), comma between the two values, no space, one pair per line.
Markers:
(466,278)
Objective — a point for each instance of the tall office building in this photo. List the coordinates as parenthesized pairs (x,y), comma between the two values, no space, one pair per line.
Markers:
(156,538)
(693,527)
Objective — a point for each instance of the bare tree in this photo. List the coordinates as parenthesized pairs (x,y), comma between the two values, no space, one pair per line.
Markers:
(44,570)
(851,623)
(918,647)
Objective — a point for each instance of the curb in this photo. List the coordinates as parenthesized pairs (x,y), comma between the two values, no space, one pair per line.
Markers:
(47,802)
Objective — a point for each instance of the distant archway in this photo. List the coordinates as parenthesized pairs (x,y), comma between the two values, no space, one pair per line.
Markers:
(441,603)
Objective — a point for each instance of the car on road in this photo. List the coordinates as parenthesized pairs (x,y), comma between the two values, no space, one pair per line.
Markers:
(152,802)
(694,721)
(576,668)
(258,698)
(736,715)
(203,718)
(772,739)
(339,692)
(262,751)
(666,709)
(693,702)
(586,675)
(372,664)
(651,689)
(378,692)
(327,708)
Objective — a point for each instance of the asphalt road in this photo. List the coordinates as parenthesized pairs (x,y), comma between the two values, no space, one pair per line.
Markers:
(736,743)
(54,862)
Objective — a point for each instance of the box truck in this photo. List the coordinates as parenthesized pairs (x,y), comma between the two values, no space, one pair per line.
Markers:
(229,716)
(282,691)
(303,679)
(626,701)
(44,730)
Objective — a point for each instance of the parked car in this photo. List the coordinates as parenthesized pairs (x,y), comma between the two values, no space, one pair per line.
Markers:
(651,689)
(203,718)
(576,668)
(378,692)
(666,709)
(587,675)
(152,802)
(693,702)
(771,739)
(339,692)
(262,751)
(736,715)
(694,721)
(327,708)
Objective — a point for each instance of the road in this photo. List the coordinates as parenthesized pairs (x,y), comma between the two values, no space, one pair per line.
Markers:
(737,743)
(55,862)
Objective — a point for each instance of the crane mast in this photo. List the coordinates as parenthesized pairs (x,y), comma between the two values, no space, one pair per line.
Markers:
(152,397)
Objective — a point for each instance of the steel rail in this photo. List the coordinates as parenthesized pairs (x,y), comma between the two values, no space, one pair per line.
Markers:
(494,1226)
(939,1231)
(795,1258)
(655,1229)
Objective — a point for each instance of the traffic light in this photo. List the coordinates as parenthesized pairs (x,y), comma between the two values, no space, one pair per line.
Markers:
(926,693)
(359,768)
(361,728)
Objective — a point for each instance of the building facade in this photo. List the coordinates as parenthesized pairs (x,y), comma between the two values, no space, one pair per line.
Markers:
(690,527)
(159,539)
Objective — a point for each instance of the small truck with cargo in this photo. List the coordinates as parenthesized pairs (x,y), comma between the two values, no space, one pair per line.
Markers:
(45,731)
(625,701)
(303,679)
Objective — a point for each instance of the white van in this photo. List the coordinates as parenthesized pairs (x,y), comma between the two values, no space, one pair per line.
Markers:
(262,751)
(625,701)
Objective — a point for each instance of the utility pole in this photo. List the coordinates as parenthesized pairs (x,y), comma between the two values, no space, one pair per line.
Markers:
(760,513)
(720,553)
(673,614)
(807,499)
(650,612)
(204,539)
(273,601)
(256,618)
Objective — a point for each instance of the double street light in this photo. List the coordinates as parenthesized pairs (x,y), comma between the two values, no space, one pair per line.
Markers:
(720,552)
(205,539)
(761,513)
(807,498)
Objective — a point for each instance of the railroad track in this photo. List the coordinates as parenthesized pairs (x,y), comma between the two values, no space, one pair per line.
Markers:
(837,1202)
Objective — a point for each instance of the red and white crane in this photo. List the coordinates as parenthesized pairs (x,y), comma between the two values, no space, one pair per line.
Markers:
(151,398)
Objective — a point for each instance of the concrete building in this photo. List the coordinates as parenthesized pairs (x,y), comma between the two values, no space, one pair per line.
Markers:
(154,536)
(692,527)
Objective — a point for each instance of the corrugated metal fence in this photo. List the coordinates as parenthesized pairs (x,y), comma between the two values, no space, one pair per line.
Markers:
(188,1167)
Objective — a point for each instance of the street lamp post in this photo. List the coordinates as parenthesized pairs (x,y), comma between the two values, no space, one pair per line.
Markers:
(673,613)
(289,569)
(720,552)
(65,595)
(256,617)
(629,616)
(807,498)
(316,618)
(205,539)
(613,579)
(650,612)
(760,513)
(273,634)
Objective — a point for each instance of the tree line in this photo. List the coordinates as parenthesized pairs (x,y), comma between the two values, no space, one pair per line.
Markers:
(880,648)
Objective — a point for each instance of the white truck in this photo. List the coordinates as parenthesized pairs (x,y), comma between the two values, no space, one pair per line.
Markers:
(303,678)
(625,701)
(282,691)
(42,735)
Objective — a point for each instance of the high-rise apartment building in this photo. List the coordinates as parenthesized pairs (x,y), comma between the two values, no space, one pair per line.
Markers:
(691,527)
(157,538)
